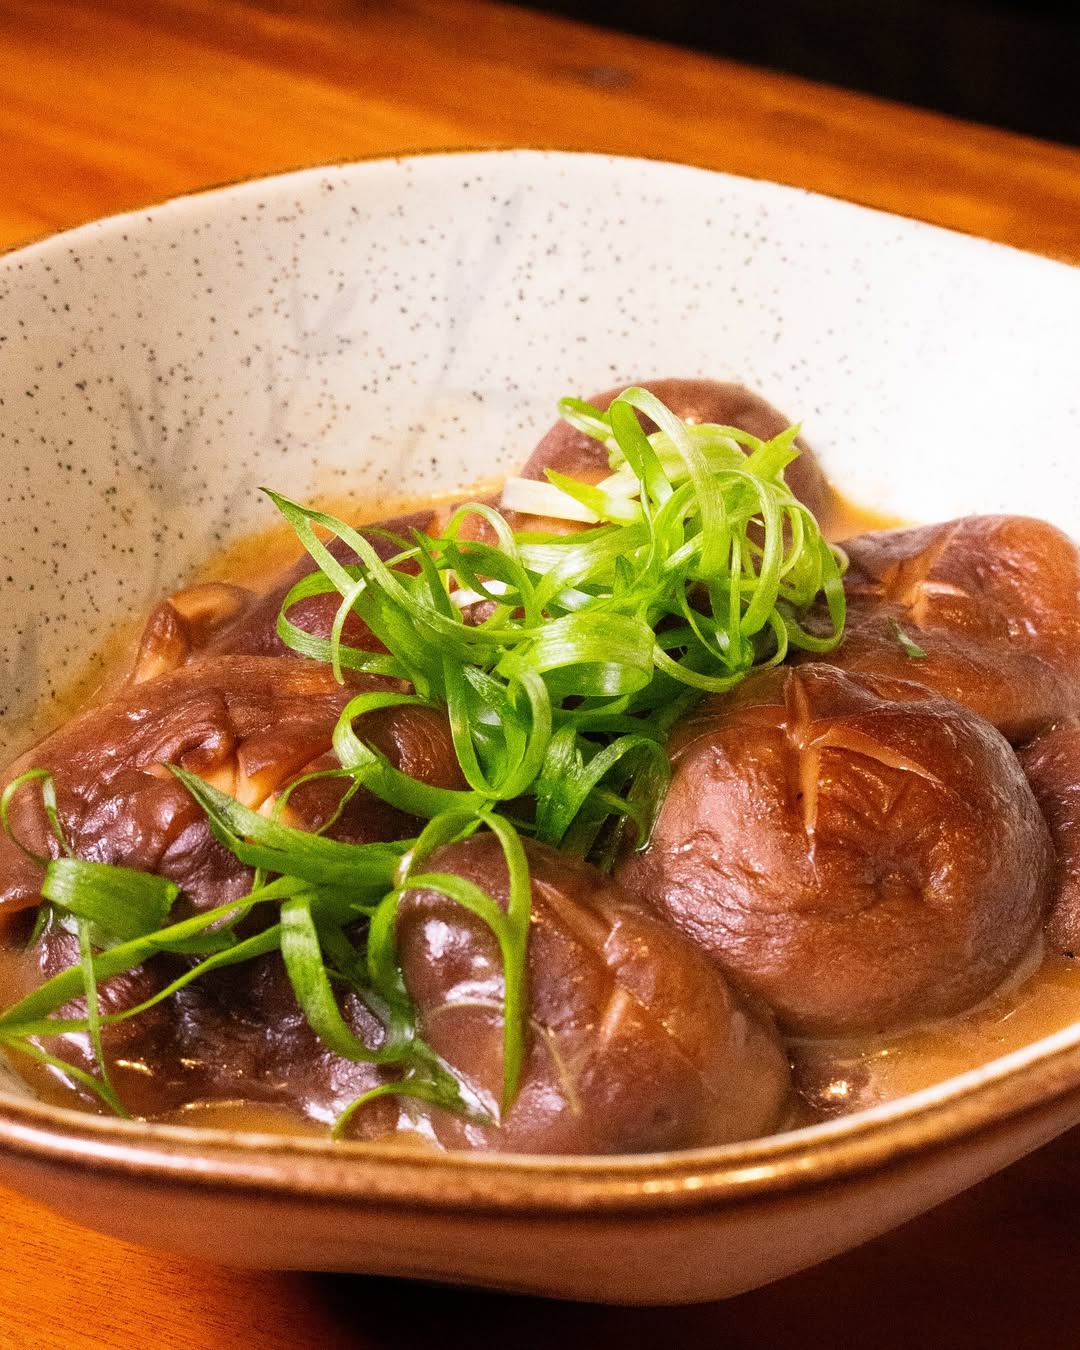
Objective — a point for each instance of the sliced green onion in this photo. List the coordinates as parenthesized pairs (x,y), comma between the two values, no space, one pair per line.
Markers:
(911,648)
(93,1019)
(48,802)
(302,954)
(119,901)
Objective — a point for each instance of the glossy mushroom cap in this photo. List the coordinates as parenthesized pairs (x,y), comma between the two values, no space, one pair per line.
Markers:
(247,725)
(858,852)
(993,601)
(636,1042)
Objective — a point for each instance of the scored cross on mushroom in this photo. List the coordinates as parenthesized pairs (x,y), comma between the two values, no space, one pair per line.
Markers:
(636,1042)
(856,851)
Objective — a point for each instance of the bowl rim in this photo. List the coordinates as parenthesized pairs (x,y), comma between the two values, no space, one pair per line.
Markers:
(965,1107)
(977,1102)
(129,213)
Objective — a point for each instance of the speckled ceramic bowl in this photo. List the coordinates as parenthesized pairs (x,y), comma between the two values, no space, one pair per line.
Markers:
(407,326)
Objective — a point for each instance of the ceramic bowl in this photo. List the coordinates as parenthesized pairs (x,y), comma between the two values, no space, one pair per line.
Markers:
(405,327)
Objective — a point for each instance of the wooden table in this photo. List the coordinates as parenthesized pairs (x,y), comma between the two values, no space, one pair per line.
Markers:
(119,103)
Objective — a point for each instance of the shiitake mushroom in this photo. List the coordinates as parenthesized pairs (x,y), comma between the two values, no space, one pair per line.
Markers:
(1052,764)
(248,725)
(984,610)
(857,851)
(637,1043)
(573,453)
(218,620)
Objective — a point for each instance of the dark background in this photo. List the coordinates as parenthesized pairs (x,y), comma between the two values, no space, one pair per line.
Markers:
(1007,63)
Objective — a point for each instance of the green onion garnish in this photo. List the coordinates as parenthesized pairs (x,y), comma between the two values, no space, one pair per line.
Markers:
(912,650)
(700,565)
(697,565)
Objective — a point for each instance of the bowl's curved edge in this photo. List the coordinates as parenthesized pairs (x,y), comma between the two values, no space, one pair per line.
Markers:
(647,1254)
(1017,1087)
(297,172)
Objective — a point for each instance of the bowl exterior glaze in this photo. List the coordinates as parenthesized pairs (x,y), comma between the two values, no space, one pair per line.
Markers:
(651,1230)
(362,333)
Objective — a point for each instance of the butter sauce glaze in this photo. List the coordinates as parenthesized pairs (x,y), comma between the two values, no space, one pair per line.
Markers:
(851,890)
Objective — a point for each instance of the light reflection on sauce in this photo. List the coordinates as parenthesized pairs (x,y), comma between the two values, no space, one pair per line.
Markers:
(255,1117)
(266,1118)
(835,1078)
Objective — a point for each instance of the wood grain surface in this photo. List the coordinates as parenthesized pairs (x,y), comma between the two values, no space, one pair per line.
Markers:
(117,103)
(121,102)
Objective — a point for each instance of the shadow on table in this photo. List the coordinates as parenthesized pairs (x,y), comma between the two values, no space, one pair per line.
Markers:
(1011,63)
(995,1268)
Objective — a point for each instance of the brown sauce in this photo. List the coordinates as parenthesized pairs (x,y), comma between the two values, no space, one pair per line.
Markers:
(835,1078)
(841,519)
